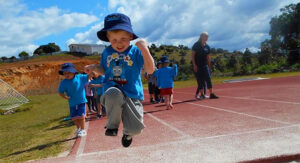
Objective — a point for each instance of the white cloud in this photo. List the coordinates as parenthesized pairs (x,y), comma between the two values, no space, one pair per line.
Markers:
(232,24)
(20,27)
(87,37)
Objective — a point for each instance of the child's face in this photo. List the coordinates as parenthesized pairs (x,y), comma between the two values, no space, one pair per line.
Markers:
(165,64)
(119,40)
(68,75)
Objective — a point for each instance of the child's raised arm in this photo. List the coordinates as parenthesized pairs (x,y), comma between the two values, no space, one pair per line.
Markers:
(148,60)
(94,68)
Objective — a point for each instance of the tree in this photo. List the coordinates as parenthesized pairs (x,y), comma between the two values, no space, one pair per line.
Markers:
(285,32)
(4,58)
(182,60)
(247,57)
(266,53)
(23,54)
(49,48)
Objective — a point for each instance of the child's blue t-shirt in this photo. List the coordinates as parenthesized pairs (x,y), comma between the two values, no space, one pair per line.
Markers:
(165,76)
(74,88)
(123,70)
(99,80)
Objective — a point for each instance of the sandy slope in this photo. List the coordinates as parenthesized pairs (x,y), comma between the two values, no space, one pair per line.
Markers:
(39,75)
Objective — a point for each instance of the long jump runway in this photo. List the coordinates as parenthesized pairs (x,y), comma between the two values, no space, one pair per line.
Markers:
(253,121)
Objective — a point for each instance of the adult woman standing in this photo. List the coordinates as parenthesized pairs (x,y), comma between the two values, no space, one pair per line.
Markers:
(202,66)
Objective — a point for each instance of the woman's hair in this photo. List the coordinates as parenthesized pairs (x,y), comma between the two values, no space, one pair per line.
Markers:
(202,34)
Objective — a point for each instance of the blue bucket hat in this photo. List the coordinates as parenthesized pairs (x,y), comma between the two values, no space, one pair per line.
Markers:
(164,59)
(115,21)
(67,67)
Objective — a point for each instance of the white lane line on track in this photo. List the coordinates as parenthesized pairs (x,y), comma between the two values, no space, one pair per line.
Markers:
(234,112)
(81,145)
(168,125)
(191,140)
(248,98)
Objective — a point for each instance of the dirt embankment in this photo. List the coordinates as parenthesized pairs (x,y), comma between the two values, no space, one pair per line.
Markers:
(39,76)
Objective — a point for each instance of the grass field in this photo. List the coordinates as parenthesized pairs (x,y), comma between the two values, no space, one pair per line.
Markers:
(36,131)
(219,80)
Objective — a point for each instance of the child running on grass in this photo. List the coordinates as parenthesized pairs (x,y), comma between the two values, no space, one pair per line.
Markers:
(164,77)
(122,64)
(72,89)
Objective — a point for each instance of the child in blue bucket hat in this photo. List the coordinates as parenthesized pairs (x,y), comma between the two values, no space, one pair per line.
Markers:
(164,78)
(72,89)
(122,64)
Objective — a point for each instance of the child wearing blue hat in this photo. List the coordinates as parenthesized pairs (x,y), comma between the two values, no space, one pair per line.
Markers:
(122,64)
(164,78)
(72,89)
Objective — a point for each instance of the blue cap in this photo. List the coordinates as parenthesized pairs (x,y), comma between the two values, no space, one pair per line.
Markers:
(164,59)
(67,67)
(115,21)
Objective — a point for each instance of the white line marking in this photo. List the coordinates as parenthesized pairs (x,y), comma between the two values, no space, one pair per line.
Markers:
(244,114)
(247,98)
(82,144)
(191,139)
(168,125)
(257,99)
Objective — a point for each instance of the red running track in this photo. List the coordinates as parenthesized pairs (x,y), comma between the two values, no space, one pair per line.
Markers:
(252,121)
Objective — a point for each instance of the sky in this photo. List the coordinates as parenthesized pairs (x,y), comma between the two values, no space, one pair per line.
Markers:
(231,24)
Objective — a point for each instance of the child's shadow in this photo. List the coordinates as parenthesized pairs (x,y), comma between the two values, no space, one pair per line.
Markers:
(62,124)
(175,103)
(40,147)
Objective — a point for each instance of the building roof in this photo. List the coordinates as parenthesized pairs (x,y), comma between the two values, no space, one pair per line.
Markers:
(87,45)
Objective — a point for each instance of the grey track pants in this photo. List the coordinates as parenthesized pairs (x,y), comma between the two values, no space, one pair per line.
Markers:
(118,106)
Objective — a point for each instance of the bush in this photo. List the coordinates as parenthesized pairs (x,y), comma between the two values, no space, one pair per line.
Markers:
(295,67)
(264,69)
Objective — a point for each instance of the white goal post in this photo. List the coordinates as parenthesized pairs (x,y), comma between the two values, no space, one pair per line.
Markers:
(9,97)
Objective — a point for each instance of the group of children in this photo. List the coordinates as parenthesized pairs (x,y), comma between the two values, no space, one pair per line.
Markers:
(117,81)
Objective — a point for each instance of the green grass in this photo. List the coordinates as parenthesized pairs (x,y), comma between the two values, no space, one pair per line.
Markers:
(36,130)
(218,80)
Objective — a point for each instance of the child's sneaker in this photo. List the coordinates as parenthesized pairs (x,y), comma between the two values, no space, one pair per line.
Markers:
(197,98)
(152,101)
(126,140)
(99,116)
(78,130)
(202,96)
(213,96)
(111,132)
(81,133)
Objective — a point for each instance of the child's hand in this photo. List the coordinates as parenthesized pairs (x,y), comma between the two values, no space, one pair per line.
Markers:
(141,44)
(88,69)
(91,85)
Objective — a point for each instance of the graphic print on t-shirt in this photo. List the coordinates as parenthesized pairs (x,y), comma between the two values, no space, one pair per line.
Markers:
(117,65)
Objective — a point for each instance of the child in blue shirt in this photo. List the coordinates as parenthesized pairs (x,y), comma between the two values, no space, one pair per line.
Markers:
(164,78)
(122,64)
(72,89)
(97,83)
